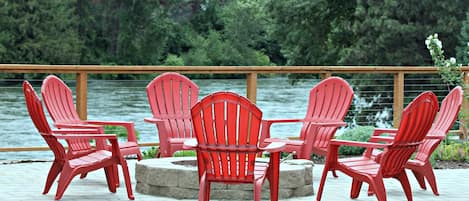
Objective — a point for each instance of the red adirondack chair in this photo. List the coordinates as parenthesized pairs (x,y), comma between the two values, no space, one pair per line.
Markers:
(171,96)
(69,165)
(420,165)
(417,118)
(226,127)
(58,99)
(329,102)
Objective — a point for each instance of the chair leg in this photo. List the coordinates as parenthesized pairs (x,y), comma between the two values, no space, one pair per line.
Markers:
(420,179)
(54,171)
(426,172)
(65,178)
(402,177)
(323,182)
(334,174)
(356,187)
(377,185)
(116,175)
(258,190)
(203,188)
(110,178)
(82,176)
(125,172)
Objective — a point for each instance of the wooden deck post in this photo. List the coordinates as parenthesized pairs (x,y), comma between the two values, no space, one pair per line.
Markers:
(82,95)
(251,85)
(465,108)
(398,98)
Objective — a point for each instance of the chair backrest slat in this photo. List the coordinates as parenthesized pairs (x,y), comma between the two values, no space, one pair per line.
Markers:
(329,101)
(226,127)
(416,121)
(59,100)
(171,95)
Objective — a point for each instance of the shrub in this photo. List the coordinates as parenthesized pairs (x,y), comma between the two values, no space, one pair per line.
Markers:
(359,133)
(452,151)
(184,153)
(120,131)
(150,153)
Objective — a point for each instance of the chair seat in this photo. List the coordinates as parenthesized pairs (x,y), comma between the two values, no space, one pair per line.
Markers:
(361,165)
(91,159)
(260,171)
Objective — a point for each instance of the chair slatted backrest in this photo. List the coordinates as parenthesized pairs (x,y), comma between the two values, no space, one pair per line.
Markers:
(449,110)
(329,101)
(59,100)
(416,121)
(171,96)
(226,127)
(36,112)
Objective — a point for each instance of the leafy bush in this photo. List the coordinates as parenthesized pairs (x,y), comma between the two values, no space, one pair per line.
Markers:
(452,151)
(359,133)
(184,153)
(120,131)
(150,153)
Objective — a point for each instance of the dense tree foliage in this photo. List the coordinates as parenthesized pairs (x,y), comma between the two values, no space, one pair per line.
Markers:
(228,32)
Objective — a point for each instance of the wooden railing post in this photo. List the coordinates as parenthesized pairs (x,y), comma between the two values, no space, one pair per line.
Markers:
(82,95)
(465,108)
(398,98)
(251,86)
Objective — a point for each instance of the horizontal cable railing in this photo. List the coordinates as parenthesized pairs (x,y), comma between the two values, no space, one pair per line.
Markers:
(379,100)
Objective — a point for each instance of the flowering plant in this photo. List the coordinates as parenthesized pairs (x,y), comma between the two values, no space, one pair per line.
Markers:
(450,71)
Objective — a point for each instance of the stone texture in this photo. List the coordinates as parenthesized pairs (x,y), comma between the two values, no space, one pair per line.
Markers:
(164,178)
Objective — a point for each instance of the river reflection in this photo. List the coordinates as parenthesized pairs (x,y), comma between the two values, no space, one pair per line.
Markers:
(126,100)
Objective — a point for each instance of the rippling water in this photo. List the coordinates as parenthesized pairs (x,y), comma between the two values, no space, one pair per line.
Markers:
(127,101)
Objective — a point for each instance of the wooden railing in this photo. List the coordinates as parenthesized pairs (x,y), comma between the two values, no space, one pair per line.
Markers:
(251,72)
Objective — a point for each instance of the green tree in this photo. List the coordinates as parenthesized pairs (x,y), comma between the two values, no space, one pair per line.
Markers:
(462,51)
(39,32)
(301,28)
(392,32)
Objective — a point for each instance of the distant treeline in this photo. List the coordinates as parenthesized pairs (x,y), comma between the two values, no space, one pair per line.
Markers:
(229,32)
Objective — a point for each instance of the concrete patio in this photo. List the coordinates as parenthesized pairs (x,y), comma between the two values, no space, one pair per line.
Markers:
(25,181)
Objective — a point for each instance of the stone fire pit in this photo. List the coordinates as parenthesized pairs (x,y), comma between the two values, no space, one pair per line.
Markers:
(177,177)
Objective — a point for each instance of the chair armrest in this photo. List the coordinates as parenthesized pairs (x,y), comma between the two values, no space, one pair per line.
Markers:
(357,144)
(267,123)
(85,136)
(129,126)
(152,120)
(379,131)
(329,124)
(190,144)
(274,147)
(109,123)
(387,139)
(75,131)
(77,125)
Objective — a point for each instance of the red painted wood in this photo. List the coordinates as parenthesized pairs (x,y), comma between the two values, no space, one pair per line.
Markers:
(69,165)
(58,99)
(420,165)
(171,96)
(416,121)
(328,104)
(226,127)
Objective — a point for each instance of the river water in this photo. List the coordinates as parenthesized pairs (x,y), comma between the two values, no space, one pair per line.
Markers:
(126,101)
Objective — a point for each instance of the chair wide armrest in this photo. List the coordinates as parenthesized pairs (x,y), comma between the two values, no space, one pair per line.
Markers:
(190,144)
(110,123)
(76,126)
(85,136)
(75,131)
(379,131)
(330,124)
(152,120)
(274,147)
(357,144)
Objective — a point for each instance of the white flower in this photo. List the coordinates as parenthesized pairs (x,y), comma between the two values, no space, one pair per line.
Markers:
(468,44)
(438,43)
(452,60)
